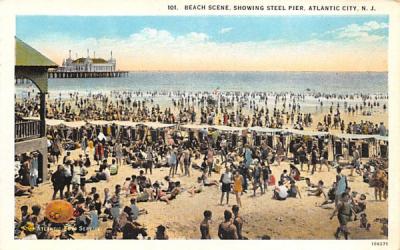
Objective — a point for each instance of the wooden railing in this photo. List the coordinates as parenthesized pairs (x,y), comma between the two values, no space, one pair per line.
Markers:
(27,130)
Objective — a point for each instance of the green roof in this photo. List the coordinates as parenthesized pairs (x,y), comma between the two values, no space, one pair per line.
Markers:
(25,55)
(94,60)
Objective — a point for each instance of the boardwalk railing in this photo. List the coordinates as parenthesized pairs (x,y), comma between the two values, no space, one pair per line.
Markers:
(27,130)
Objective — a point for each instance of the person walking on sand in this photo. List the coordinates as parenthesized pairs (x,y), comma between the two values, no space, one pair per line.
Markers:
(341,185)
(238,187)
(58,180)
(226,180)
(256,174)
(314,159)
(344,210)
(205,225)
(356,161)
(172,163)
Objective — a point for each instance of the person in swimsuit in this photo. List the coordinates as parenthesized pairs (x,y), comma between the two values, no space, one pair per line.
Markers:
(331,195)
(206,181)
(293,190)
(256,174)
(266,172)
(237,221)
(314,159)
(324,158)
(161,233)
(227,230)
(205,225)
(238,187)
(196,188)
(318,191)
(168,197)
(344,210)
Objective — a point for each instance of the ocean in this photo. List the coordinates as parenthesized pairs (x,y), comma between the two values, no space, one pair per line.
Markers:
(296,82)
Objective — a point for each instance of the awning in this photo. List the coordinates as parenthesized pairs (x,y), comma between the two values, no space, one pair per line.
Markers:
(74,124)
(266,130)
(382,138)
(355,136)
(195,126)
(307,132)
(156,125)
(100,122)
(125,123)
(227,128)
(54,122)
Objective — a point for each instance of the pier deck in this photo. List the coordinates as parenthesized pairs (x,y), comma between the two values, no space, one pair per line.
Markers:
(84,74)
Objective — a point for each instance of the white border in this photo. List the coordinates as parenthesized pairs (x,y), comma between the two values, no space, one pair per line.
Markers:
(9,9)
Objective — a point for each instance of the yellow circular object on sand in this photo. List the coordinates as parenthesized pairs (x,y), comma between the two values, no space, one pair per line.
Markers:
(59,211)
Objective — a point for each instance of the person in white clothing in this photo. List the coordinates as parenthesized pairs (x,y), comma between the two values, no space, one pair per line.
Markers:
(280,192)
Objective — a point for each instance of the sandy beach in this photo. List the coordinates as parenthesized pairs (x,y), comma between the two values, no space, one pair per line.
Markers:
(293,218)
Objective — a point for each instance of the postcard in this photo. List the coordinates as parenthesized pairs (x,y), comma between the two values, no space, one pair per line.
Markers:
(200,120)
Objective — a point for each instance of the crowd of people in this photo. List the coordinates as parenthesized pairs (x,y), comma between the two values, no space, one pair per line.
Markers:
(237,109)
(244,166)
(245,162)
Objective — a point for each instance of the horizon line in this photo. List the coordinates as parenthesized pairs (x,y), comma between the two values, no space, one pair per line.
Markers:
(254,71)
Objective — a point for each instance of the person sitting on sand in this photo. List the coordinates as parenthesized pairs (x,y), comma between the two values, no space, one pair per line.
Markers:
(227,230)
(309,183)
(293,190)
(205,225)
(20,190)
(133,185)
(146,195)
(280,192)
(331,195)
(168,197)
(207,182)
(318,191)
(196,188)
(161,233)
(135,211)
(284,177)
(364,222)
(125,186)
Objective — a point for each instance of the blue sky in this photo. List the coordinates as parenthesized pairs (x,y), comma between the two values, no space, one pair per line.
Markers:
(139,37)
(244,28)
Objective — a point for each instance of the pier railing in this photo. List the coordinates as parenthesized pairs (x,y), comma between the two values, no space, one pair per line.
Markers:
(27,129)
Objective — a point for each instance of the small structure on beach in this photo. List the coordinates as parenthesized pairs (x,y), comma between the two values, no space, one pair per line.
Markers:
(30,135)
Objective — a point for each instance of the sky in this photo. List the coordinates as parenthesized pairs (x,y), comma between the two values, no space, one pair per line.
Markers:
(215,43)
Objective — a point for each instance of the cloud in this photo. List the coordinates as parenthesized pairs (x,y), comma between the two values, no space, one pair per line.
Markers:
(367,32)
(225,30)
(157,49)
